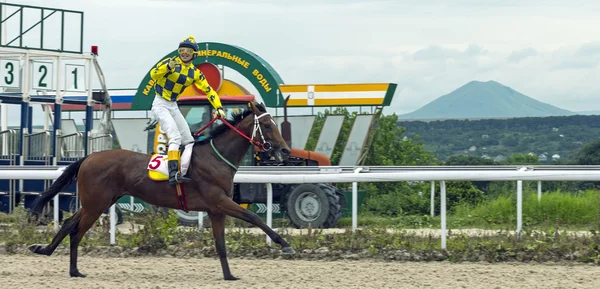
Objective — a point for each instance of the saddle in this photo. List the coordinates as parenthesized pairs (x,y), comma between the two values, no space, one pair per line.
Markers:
(158,169)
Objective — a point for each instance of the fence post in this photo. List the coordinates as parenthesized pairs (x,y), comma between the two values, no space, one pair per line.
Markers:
(113,224)
(520,204)
(269,209)
(519,207)
(432,199)
(56,221)
(539,187)
(443,213)
(355,201)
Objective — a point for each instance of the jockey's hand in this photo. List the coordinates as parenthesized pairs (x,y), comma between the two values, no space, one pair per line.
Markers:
(220,113)
(172,63)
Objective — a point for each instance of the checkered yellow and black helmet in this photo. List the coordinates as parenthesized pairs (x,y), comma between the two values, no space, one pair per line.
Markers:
(189,42)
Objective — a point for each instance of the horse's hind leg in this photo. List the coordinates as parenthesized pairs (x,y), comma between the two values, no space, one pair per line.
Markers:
(68,225)
(76,226)
(231,208)
(218,227)
(88,218)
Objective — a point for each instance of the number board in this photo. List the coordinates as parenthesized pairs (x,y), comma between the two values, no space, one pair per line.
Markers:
(10,73)
(43,75)
(75,77)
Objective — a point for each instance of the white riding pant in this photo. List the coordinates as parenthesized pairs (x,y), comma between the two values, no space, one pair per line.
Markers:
(172,122)
(174,125)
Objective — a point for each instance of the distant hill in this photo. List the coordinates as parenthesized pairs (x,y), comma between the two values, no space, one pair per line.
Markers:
(490,99)
(560,135)
(588,112)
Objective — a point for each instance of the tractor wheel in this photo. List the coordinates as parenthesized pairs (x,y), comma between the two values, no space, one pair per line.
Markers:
(314,205)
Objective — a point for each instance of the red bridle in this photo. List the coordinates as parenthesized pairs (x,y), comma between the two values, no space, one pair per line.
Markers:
(265,145)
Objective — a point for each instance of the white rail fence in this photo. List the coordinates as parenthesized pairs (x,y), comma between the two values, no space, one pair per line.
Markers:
(274,175)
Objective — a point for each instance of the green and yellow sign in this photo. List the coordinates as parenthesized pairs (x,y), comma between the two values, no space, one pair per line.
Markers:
(262,76)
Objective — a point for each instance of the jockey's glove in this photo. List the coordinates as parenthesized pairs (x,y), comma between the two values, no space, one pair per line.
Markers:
(220,113)
(172,63)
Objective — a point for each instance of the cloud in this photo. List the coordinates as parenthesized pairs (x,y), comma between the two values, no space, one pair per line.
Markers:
(589,49)
(546,49)
(586,56)
(437,52)
(577,63)
(520,55)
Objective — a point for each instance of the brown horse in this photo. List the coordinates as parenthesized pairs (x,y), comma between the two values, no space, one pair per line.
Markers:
(104,177)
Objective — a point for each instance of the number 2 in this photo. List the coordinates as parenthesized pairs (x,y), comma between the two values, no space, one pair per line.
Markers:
(45,69)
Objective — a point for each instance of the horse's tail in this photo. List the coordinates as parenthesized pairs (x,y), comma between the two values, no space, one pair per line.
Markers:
(66,178)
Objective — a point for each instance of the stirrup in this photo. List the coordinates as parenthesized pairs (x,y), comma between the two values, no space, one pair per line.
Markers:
(175,176)
(178,179)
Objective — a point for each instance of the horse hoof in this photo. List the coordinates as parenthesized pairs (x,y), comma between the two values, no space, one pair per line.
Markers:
(231,278)
(37,248)
(76,274)
(288,251)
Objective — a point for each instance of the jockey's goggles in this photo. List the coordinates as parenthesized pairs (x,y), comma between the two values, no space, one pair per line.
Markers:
(185,50)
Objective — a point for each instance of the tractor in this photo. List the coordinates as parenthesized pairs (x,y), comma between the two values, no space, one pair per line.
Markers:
(317,205)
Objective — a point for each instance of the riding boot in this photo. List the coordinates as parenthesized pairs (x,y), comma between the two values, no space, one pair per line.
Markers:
(175,176)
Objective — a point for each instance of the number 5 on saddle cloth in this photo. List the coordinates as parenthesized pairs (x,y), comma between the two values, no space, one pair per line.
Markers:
(158,166)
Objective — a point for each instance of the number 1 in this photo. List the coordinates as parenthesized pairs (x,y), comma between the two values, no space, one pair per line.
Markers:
(74,72)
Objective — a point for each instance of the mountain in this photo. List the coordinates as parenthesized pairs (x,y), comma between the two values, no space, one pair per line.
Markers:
(588,112)
(489,99)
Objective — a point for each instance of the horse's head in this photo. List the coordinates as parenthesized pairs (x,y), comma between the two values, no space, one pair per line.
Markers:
(267,133)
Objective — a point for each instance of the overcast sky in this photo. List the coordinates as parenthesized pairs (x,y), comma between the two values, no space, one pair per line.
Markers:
(549,50)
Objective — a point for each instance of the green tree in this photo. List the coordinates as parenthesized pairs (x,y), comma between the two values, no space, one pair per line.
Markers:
(521,159)
(589,154)
(342,137)
(390,148)
(465,160)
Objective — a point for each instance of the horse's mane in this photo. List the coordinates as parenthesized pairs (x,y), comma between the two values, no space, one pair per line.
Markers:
(235,119)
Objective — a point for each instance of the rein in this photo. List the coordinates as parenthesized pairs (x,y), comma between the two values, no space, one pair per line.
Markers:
(265,146)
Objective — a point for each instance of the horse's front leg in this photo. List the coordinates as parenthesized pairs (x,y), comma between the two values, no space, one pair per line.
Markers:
(218,227)
(231,208)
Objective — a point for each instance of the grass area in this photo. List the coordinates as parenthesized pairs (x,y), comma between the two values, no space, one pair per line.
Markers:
(556,210)
(544,233)
(162,236)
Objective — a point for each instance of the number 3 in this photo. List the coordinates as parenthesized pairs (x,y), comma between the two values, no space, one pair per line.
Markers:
(155,162)
(11,69)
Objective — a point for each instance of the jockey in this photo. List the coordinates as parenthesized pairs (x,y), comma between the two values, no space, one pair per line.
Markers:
(172,77)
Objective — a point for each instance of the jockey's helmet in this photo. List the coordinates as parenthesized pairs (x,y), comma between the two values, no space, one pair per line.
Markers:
(186,44)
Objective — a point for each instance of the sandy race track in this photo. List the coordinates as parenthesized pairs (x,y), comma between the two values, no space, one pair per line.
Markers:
(22,271)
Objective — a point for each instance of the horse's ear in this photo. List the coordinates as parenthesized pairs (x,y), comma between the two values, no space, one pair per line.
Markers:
(254,108)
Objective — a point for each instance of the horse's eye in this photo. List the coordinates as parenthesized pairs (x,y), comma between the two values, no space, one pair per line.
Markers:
(267,126)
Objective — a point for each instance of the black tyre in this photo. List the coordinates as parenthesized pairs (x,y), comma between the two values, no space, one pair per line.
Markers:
(314,205)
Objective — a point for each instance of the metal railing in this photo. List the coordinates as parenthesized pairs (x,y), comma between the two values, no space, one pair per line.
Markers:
(9,145)
(38,146)
(100,143)
(22,17)
(70,147)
